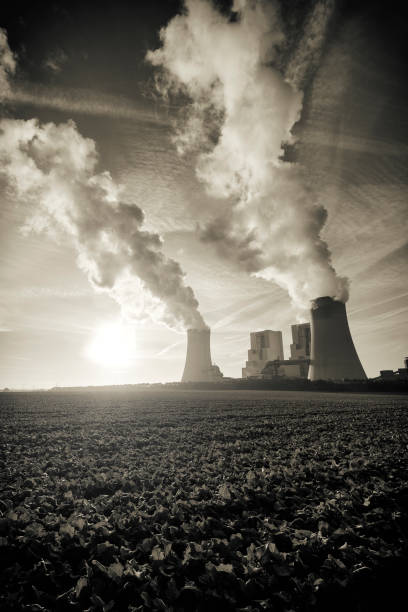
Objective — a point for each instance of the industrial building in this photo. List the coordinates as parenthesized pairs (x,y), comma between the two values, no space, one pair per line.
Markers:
(198,366)
(266,358)
(321,350)
(266,346)
(333,355)
(297,366)
(399,374)
(300,347)
(290,368)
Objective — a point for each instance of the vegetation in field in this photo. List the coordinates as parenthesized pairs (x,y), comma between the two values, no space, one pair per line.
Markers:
(180,502)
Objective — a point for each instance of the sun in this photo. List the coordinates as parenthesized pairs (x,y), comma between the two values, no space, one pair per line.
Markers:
(112,345)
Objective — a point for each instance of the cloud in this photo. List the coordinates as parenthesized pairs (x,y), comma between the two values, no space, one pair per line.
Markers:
(238,247)
(56,60)
(238,122)
(306,56)
(7,64)
(81,101)
(169,348)
(53,168)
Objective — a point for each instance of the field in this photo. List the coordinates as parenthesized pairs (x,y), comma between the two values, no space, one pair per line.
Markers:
(210,500)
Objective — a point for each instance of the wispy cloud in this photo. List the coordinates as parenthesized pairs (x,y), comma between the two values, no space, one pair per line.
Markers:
(51,292)
(56,60)
(7,64)
(169,348)
(250,304)
(345,141)
(379,303)
(396,258)
(82,101)
(307,55)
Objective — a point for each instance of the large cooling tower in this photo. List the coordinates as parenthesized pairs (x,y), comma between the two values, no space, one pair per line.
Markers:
(333,354)
(198,366)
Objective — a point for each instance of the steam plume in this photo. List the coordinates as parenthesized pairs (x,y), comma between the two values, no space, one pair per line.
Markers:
(241,114)
(53,167)
(306,55)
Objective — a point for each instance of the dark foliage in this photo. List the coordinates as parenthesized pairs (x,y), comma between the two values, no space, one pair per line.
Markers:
(179,502)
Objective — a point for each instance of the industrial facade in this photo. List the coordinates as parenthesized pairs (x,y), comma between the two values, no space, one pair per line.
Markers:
(266,358)
(300,347)
(290,368)
(266,346)
(297,366)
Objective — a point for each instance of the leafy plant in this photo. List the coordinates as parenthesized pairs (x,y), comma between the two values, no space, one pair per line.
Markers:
(121,501)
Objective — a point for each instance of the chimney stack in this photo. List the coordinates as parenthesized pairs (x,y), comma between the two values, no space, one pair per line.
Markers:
(198,367)
(333,356)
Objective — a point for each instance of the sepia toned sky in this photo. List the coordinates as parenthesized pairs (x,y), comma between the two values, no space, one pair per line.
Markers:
(64,320)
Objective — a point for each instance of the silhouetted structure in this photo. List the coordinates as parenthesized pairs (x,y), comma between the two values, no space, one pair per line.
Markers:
(198,367)
(333,355)
(400,374)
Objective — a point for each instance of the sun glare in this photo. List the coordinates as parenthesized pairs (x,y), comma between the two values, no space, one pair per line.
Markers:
(112,345)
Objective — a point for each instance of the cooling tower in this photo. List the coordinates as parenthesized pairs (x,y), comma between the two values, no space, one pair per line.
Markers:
(333,354)
(198,366)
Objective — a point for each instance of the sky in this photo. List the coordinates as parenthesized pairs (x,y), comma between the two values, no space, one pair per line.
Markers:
(224,172)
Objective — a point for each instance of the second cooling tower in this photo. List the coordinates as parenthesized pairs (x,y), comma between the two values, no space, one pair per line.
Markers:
(198,366)
(333,355)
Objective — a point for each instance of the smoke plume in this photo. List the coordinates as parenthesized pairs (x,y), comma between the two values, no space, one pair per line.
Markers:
(239,119)
(52,168)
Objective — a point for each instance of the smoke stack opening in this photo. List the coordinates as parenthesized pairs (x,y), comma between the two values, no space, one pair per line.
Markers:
(333,355)
(198,366)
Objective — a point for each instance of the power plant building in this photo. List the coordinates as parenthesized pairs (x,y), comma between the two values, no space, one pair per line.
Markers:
(300,347)
(321,350)
(289,368)
(198,366)
(298,364)
(266,346)
(333,355)
(399,374)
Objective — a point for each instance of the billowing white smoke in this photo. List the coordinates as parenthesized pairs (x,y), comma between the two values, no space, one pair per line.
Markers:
(239,118)
(53,168)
